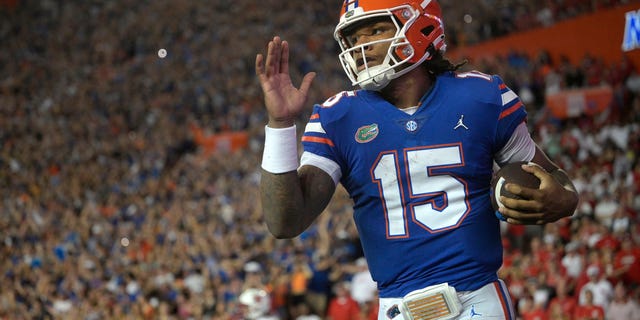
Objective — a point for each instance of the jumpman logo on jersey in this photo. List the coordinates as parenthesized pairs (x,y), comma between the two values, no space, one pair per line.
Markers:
(473,312)
(460,123)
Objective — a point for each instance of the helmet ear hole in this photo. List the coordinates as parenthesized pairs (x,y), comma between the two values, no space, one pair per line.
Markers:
(427,30)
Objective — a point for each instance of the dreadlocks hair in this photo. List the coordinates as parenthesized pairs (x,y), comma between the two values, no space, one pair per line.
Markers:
(438,64)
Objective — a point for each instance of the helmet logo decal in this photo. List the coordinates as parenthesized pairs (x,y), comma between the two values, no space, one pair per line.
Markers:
(350,5)
(367,133)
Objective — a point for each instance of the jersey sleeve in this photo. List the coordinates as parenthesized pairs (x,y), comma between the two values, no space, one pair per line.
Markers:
(519,148)
(512,113)
(319,149)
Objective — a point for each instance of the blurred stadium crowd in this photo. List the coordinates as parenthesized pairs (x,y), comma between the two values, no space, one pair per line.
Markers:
(111,211)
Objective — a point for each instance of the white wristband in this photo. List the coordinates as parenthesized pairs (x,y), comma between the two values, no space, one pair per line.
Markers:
(280,153)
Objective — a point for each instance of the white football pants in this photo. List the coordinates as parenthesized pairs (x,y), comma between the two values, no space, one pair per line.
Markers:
(489,302)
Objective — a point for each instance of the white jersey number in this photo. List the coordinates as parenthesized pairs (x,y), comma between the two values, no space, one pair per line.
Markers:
(425,187)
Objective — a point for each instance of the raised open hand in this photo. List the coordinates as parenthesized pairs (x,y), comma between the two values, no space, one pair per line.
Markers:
(282,99)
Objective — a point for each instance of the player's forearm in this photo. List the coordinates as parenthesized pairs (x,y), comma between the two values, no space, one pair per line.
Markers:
(282,204)
(291,198)
(292,201)
(570,198)
(280,189)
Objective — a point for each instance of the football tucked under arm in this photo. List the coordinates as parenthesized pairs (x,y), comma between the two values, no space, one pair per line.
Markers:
(510,173)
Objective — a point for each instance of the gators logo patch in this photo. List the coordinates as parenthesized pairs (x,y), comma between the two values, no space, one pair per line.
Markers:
(367,133)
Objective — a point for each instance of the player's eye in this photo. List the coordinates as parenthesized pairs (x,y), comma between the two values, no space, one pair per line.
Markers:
(352,40)
(377,31)
(355,34)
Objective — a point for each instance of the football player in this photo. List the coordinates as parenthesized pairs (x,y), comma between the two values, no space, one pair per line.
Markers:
(415,148)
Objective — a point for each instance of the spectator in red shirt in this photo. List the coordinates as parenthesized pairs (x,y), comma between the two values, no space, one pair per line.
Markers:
(555,312)
(607,239)
(600,289)
(529,310)
(628,258)
(539,251)
(588,311)
(563,299)
(555,272)
(342,306)
(372,310)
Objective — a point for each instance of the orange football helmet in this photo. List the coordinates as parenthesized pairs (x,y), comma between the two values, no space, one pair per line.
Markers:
(419,34)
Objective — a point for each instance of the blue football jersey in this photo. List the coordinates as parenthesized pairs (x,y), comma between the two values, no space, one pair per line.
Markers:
(420,183)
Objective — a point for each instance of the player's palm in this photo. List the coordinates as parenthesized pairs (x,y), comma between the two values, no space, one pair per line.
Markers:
(282,99)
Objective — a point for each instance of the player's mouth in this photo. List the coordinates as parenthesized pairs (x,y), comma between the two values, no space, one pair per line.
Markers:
(361,65)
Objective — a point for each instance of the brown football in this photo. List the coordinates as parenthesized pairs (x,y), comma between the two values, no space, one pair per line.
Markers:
(510,173)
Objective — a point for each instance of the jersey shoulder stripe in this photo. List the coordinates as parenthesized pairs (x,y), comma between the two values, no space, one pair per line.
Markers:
(507,95)
(511,109)
(510,100)
(314,132)
(314,127)
(496,91)
(318,140)
(329,113)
